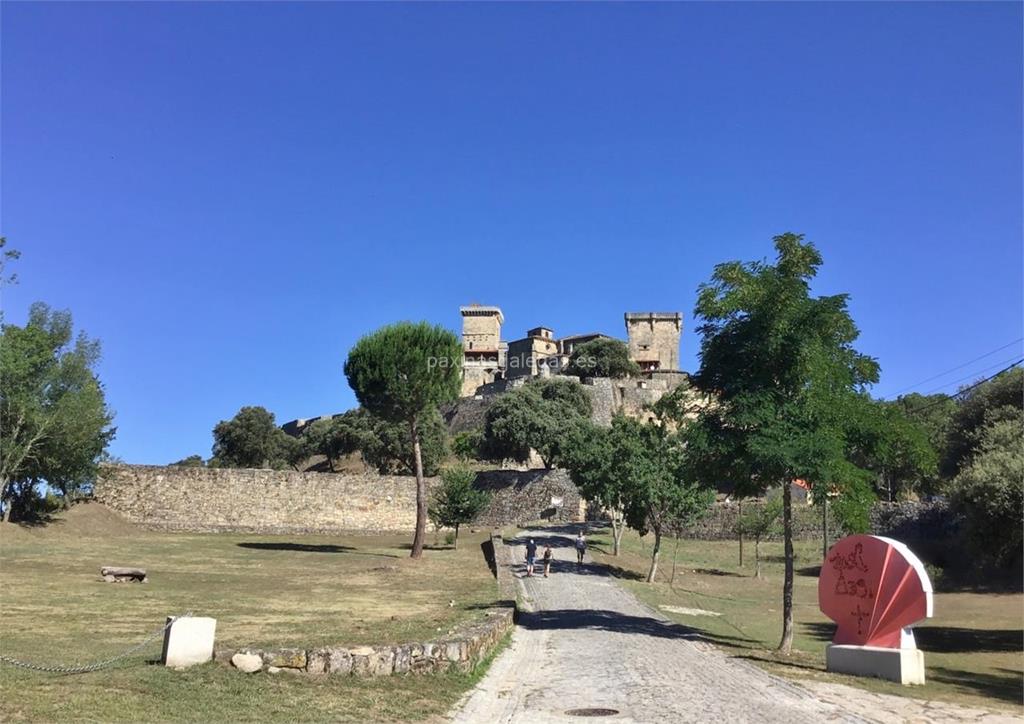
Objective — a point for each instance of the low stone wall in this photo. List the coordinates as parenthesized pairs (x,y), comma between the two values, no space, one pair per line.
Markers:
(257,501)
(720,522)
(463,650)
(518,496)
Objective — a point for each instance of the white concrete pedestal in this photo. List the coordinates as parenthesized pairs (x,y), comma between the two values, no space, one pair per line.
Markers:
(188,641)
(904,666)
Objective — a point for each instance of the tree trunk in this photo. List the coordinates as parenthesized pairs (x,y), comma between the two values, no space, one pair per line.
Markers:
(421,492)
(786,644)
(824,527)
(675,552)
(739,516)
(654,555)
(456,545)
(618,527)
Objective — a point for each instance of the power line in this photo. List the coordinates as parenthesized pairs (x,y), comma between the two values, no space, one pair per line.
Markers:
(970,376)
(954,369)
(967,389)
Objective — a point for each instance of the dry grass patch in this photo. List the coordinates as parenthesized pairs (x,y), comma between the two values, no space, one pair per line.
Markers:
(278,591)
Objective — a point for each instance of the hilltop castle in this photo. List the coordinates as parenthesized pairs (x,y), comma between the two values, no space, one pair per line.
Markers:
(653,342)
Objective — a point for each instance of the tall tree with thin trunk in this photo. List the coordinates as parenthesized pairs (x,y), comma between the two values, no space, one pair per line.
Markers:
(788,383)
(401,373)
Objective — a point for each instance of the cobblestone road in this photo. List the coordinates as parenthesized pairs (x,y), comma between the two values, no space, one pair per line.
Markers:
(589,644)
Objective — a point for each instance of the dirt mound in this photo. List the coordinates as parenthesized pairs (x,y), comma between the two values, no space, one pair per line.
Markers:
(87,519)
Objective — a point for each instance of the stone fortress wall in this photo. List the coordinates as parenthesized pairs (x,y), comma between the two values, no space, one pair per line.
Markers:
(283,501)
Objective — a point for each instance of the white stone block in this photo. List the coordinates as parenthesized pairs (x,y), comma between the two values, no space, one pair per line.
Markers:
(188,641)
(904,666)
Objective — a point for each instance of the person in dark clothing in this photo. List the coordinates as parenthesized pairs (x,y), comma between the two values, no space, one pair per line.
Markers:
(531,556)
(548,555)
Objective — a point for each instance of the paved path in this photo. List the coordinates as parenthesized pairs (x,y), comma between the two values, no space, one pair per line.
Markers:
(588,643)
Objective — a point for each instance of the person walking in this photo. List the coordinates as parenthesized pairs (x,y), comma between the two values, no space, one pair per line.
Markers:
(548,554)
(531,556)
(581,547)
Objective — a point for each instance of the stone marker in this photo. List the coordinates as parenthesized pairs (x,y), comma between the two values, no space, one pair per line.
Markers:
(248,663)
(188,641)
(117,574)
(875,589)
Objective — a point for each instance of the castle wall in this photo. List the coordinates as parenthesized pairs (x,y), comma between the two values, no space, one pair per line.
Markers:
(257,501)
(210,500)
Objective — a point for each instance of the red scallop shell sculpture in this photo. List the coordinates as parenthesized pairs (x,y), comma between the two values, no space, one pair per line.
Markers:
(875,589)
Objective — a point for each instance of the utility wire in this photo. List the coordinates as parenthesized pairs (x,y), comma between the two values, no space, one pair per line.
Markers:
(967,389)
(973,375)
(954,369)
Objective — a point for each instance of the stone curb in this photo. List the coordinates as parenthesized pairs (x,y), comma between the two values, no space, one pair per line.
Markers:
(463,650)
(466,648)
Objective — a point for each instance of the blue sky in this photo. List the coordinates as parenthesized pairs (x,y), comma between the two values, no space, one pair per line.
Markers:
(229,194)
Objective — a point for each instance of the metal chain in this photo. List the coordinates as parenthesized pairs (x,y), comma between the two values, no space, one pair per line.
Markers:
(96,666)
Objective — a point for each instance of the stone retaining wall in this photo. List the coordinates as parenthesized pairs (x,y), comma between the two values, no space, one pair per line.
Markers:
(463,650)
(257,501)
(519,496)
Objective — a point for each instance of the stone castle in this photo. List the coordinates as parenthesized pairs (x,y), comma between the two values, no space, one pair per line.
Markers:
(653,342)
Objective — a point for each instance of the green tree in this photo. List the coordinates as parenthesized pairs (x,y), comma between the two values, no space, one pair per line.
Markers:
(1001,398)
(401,373)
(760,521)
(456,501)
(467,444)
(894,447)
(659,489)
(588,460)
(192,461)
(337,437)
(53,413)
(989,492)
(601,358)
(251,439)
(387,446)
(787,381)
(540,415)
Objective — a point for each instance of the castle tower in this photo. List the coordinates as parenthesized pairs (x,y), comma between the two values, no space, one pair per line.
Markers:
(654,339)
(482,349)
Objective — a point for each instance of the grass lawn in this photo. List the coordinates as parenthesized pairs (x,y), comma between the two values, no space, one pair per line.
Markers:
(272,591)
(974,646)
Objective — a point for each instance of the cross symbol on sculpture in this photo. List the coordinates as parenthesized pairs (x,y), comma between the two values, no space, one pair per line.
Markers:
(861,615)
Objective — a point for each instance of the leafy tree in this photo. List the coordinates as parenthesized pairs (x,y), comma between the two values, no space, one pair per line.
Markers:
(788,385)
(341,435)
(539,416)
(401,373)
(387,446)
(251,439)
(999,399)
(659,490)
(53,413)
(6,257)
(456,501)
(192,461)
(467,444)
(989,492)
(601,358)
(759,522)
(894,447)
(934,414)
(588,460)
(640,473)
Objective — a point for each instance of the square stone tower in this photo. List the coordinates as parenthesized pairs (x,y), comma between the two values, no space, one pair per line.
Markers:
(482,349)
(654,339)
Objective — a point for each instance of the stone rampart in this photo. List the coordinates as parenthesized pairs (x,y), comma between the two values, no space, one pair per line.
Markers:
(257,501)
(215,500)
